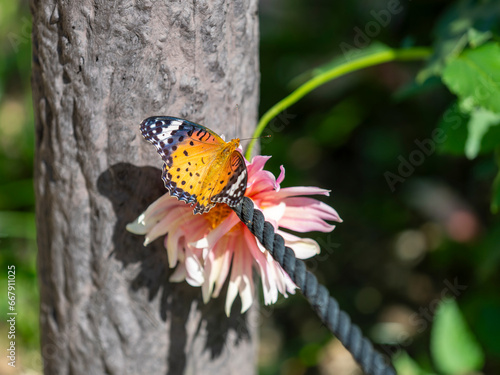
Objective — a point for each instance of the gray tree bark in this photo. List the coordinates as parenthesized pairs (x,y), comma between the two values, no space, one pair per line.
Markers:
(99,68)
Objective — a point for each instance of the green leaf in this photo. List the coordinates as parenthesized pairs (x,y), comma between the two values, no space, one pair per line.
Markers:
(405,365)
(495,199)
(454,126)
(466,22)
(474,76)
(454,349)
(481,121)
(469,130)
(477,37)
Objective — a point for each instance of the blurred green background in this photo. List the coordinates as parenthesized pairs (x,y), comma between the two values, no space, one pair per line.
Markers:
(403,246)
(17,203)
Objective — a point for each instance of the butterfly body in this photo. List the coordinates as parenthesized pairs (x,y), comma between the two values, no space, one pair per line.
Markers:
(200,168)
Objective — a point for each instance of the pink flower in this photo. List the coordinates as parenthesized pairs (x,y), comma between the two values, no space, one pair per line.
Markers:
(204,247)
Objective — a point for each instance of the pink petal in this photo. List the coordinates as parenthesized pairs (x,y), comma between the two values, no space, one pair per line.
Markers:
(153,214)
(165,224)
(232,292)
(273,214)
(217,265)
(224,271)
(241,281)
(161,228)
(171,241)
(322,209)
(275,276)
(196,231)
(271,273)
(163,203)
(307,214)
(281,177)
(300,190)
(289,284)
(260,182)
(222,229)
(258,254)
(159,224)
(257,164)
(177,231)
(246,289)
(269,288)
(303,248)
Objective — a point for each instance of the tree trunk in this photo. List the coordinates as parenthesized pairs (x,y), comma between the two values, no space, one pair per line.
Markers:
(99,68)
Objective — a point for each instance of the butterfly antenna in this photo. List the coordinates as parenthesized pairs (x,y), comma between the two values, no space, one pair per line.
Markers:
(237,122)
(262,136)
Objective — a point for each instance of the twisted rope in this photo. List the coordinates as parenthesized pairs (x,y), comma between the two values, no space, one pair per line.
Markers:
(318,296)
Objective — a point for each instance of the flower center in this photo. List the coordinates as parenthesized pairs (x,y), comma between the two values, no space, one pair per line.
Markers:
(217,214)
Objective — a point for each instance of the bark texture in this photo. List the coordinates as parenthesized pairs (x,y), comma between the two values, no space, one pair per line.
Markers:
(99,68)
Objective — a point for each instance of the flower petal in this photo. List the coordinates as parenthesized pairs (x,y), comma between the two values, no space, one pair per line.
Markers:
(269,288)
(187,226)
(280,178)
(224,271)
(241,281)
(257,164)
(261,182)
(273,214)
(307,214)
(232,292)
(217,264)
(152,215)
(274,279)
(179,274)
(303,248)
(138,226)
(246,289)
(300,190)
(206,256)
(222,229)
(165,224)
(194,269)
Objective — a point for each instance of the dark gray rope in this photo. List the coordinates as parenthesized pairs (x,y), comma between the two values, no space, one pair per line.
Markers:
(318,296)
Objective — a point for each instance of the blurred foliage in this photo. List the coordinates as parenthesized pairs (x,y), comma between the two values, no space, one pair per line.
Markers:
(374,54)
(17,202)
(453,347)
(466,23)
(410,151)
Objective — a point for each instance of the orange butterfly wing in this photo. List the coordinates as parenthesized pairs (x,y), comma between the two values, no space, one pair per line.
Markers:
(232,181)
(200,168)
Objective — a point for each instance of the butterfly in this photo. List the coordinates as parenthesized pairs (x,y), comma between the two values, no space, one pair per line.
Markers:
(200,168)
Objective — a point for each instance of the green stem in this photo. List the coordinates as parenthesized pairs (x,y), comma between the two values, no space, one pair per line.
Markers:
(415,53)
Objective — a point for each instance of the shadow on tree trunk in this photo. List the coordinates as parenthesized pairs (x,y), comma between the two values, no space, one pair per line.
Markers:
(131,190)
